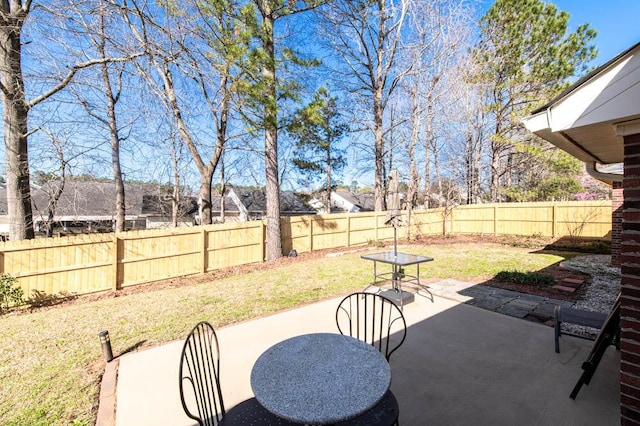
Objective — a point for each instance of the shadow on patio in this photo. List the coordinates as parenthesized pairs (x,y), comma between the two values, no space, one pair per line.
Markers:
(460,365)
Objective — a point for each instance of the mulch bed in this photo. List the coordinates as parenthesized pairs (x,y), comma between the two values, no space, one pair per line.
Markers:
(557,273)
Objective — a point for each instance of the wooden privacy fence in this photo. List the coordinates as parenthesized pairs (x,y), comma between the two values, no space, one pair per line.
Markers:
(590,219)
(101,262)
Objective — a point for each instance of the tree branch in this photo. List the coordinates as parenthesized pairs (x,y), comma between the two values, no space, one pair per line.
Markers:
(69,77)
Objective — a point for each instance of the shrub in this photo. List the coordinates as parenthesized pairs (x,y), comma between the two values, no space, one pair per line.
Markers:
(375,243)
(530,278)
(10,293)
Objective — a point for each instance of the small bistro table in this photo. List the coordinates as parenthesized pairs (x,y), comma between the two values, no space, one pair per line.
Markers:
(320,378)
(397,275)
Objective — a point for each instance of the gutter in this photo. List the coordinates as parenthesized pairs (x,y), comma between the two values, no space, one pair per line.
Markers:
(607,178)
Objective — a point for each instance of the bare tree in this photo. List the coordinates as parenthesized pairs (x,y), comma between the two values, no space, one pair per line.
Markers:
(437,34)
(367,37)
(474,122)
(55,185)
(99,23)
(201,44)
(16,108)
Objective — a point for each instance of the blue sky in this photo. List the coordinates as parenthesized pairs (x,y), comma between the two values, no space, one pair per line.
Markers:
(615,21)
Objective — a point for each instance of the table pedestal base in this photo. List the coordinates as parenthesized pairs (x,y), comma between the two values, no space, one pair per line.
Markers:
(400,298)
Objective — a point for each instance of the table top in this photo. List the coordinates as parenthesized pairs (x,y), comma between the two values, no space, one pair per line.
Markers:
(320,378)
(398,258)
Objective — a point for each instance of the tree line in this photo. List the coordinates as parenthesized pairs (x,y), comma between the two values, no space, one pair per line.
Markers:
(276,92)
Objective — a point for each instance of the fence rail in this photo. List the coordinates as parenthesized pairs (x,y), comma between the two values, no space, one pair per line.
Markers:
(102,262)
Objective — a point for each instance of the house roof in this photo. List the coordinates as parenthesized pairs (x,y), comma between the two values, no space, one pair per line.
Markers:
(96,201)
(229,205)
(255,202)
(587,118)
(365,202)
(89,200)
(162,205)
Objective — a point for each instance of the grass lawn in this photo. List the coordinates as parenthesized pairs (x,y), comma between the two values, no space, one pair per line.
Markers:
(50,359)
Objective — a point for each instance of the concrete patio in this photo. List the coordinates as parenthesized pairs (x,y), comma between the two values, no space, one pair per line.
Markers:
(460,365)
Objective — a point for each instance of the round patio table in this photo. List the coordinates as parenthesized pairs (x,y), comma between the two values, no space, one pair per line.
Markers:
(320,378)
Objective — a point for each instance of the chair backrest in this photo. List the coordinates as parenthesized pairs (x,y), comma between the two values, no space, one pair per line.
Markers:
(374,319)
(200,391)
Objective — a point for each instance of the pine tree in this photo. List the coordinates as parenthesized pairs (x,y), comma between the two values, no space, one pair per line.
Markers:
(526,56)
(316,129)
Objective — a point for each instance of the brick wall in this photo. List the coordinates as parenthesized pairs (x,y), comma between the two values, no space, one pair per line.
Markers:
(630,303)
(617,198)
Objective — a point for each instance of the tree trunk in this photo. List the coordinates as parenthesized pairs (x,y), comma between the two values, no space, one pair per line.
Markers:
(414,179)
(475,167)
(175,196)
(223,190)
(427,155)
(175,202)
(495,175)
(205,198)
(378,189)
(15,125)
(438,179)
(328,190)
(272,188)
(378,112)
(53,203)
(115,141)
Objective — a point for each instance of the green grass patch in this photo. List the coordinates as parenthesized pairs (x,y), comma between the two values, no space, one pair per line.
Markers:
(50,359)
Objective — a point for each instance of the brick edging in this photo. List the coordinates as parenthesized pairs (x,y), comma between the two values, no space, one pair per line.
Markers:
(107,403)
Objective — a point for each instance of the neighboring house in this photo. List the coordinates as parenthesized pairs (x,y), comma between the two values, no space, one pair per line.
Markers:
(317,205)
(597,120)
(234,210)
(157,210)
(348,202)
(90,207)
(243,204)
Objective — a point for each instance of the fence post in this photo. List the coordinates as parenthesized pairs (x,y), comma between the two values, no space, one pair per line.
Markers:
(311,235)
(203,256)
(495,220)
(116,256)
(375,222)
(264,239)
(554,224)
(348,230)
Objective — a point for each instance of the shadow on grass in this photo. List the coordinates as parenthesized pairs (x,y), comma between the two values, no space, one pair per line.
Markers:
(40,299)
(131,348)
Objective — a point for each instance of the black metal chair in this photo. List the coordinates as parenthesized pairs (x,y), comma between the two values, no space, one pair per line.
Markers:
(374,319)
(378,321)
(200,391)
